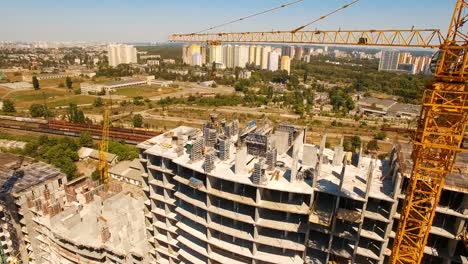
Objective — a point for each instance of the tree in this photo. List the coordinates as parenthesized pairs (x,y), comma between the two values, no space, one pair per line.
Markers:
(373,145)
(137,120)
(74,115)
(38,110)
(306,75)
(380,136)
(69,83)
(35,82)
(86,140)
(98,102)
(138,100)
(8,106)
(96,176)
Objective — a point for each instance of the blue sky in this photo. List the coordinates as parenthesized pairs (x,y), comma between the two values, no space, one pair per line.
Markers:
(155,20)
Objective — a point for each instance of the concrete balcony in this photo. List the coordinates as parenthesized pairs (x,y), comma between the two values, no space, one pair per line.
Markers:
(280,243)
(231,247)
(159,168)
(163,238)
(367,253)
(190,200)
(231,231)
(187,183)
(192,231)
(224,259)
(372,235)
(190,257)
(290,208)
(163,226)
(230,214)
(161,184)
(376,216)
(233,197)
(161,212)
(191,216)
(193,246)
(282,225)
(277,258)
(159,197)
(167,252)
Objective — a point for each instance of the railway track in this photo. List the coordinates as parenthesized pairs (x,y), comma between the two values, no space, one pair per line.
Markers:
(58,127)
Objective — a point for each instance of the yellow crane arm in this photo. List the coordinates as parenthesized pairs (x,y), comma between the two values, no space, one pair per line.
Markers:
(422,38)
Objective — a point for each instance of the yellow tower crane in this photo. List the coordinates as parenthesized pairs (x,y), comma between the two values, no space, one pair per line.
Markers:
(103,148)
(442,121)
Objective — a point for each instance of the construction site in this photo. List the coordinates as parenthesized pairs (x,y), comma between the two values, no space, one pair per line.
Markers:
(45,219)
(222,194)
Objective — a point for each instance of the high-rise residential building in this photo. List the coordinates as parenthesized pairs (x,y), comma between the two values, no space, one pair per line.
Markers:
(203,51)
(188,52)
(121,53)
(196,59)
(287,51)
(389,60)
(273,61)
(241,56)
(252,50)
(216,54)
(265,52)
(298,52)
(286,64)
(258,56)
(239,205)
(404,57)
(228,55)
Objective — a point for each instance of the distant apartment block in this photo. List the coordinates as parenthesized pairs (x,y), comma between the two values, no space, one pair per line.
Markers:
(389,60)
(121,53)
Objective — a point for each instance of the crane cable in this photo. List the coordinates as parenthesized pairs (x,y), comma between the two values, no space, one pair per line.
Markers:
(250,16)
(325,16)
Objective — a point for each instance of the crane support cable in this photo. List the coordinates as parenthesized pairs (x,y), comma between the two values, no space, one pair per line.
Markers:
(250,16)
(325,16)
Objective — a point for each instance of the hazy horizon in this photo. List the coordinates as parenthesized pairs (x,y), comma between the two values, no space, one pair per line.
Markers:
(153,21)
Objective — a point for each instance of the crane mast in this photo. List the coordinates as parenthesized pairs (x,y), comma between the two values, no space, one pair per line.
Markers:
(103,148)
(441,125)
(439,137)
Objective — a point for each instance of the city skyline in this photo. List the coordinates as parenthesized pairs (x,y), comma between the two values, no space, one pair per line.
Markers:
(147,21)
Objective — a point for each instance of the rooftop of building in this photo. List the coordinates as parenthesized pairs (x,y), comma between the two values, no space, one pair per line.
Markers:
(386,103)
(121,214)
(456,181)
(84,153)
(128,168)
(405,108)
(123,82)
(353,177)
(29,173)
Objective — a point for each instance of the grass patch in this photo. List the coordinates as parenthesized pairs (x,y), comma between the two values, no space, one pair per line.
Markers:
(61,81)
(76,99)
(145,91)
(24,98)
(3,91)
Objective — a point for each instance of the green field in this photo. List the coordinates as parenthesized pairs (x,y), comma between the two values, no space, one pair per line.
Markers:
(25,98)
(3,90)
(76,99)
(53,97)
(145,91)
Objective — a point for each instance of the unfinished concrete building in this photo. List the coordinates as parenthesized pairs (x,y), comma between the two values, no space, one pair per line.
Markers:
(44,219)
(26,184)
(283,202)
